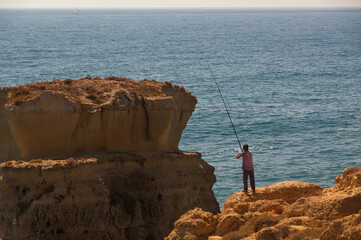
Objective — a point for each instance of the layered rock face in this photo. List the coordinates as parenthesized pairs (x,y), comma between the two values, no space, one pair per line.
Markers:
(287,210)
(108,196)
(97,159)
(58,118)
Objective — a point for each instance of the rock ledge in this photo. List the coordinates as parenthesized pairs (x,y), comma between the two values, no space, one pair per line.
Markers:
(286,210)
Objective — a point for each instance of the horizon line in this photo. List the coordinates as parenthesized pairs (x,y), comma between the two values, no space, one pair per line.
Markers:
(111,8)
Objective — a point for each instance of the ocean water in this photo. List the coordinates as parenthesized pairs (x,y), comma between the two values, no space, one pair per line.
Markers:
(291,78)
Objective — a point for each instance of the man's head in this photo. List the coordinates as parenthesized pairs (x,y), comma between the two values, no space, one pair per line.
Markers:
(245,147)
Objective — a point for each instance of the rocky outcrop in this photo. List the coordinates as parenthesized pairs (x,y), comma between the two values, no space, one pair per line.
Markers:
(108,196)
(97,159)
(287,210)
(65,118)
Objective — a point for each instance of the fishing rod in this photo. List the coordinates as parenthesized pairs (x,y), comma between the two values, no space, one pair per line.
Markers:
(229,116)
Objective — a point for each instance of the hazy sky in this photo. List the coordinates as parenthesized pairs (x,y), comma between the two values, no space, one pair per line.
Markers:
(175,3)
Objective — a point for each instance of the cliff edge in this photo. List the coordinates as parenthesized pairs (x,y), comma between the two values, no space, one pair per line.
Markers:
(65,118)
(286,210)
(97,159)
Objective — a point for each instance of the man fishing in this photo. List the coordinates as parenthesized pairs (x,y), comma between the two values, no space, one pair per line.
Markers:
(247,166)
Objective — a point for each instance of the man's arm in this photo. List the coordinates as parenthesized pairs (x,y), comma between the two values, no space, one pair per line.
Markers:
(240,155)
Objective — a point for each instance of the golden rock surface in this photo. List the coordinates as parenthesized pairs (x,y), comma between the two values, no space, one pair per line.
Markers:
(286,210)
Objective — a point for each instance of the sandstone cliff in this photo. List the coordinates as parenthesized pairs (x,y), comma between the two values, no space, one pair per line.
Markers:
(287,210)
(107,196)
(63,118)
(97,159)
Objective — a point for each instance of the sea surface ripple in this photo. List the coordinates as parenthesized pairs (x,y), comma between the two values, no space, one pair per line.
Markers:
(291,78)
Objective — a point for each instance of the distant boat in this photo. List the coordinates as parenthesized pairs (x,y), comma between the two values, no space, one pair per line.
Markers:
(75,11)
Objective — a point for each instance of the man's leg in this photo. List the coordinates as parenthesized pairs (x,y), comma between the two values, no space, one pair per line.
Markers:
(253,185)
(245,180)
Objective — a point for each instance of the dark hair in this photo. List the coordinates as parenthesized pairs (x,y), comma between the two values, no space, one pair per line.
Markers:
(245,147)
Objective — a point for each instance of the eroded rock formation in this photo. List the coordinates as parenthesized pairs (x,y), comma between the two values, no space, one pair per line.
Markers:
(287,210)
(108,196)
(58,118)
(97,159)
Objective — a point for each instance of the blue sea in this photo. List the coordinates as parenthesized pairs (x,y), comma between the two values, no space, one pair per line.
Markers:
(291,78)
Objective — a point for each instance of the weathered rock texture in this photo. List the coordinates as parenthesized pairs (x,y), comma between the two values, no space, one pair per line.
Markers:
(122,175)
(63,118)
(287,210)
(108,196)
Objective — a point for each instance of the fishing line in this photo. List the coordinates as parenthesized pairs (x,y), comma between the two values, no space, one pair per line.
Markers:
(224,103)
